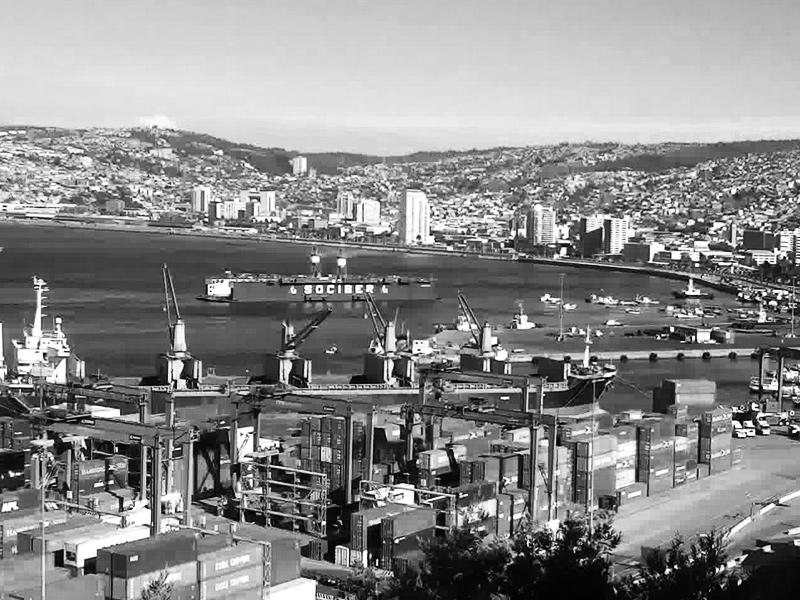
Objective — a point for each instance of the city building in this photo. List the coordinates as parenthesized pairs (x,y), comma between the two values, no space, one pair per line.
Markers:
(755,239)
(616,232)
(266,198)
(541,226)
(591,232)
(299,165)
(201,198)
(345,204)
(641,252)
(115,207)
(415,215)
(733,235)
(368,211)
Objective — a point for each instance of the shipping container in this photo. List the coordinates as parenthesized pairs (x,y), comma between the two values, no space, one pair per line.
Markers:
(433,459)
(626,449)
(624,478)
(26,529)
(407,523)
(84,548)
(736,456)
(475,492)
(297,589)
(17,572)
(687,430)
(54,542)
(214,563)
(130,588)
(685,386)
(233,582)
(153,554)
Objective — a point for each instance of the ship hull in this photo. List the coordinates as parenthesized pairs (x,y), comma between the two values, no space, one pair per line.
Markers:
(303,292)
(579,392)
(685,296)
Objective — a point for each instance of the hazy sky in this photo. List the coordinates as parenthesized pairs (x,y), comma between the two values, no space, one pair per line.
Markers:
(388,77)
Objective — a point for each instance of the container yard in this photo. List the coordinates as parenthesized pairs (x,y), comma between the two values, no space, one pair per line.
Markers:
(234,488)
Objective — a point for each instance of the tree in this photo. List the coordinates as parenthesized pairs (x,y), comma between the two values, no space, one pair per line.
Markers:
(158,589)
(571,562)
(693,572)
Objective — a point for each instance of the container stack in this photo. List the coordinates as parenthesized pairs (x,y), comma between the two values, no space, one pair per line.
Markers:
(323,449)
(581,472)
(117,471)
(502,468)
(129,568)
(655,460)
(476,503)
(88,587)
(23,520)
(685,392)
(432,465)
(15,434)
(15,469)
(716,428)
(604,465)
(225,570)
(400,535)
(17,573)
(686,462)
(625,468)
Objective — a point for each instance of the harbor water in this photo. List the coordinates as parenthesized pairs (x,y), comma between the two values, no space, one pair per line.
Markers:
(107,286)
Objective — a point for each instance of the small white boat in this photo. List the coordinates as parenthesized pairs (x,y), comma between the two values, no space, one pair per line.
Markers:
(521,321)
(332,350)
(570,306)
(612,323)
(548,299)
(646,300)
(633,311)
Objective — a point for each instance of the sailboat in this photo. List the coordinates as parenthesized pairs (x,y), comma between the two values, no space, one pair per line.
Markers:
(692,293)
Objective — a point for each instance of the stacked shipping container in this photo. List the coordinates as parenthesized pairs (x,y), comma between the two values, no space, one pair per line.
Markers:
(323,449)
(715,439)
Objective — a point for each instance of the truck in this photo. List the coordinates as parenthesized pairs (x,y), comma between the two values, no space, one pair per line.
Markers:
(762,426)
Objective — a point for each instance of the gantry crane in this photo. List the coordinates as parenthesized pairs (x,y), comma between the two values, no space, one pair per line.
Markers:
(120,431)
(432,403)
(286,367)
(383,364)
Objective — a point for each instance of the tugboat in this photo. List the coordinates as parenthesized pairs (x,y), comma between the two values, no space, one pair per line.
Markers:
(692,293)
(521,321)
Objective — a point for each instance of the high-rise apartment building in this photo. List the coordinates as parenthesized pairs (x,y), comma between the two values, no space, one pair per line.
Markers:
(267,199)
(367,211)
(541,226)
(615,234)
(345,204)
(591,232)
(201,198)
(299,165)
(414,225)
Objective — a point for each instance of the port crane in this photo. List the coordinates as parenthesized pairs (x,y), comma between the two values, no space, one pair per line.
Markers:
(475,329)
(286,366)
(385,331)
(292,341)
(177,367)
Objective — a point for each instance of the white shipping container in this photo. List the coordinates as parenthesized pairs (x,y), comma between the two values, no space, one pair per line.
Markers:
(625,478)
(77,552)
(433,459)
(325,454)
(342,557)
(604,460)
(521,435)
(626,449)
(681,443)
(459,451)
(296,589)
(359,559)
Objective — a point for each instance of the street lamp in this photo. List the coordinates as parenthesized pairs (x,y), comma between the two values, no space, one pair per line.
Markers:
(46,472)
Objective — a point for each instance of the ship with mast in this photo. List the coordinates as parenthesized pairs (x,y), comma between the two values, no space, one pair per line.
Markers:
(316,287)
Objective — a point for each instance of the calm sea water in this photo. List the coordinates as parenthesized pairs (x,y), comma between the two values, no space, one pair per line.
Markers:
(108,288)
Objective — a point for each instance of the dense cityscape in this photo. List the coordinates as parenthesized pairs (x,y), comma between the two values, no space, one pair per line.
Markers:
(731,205)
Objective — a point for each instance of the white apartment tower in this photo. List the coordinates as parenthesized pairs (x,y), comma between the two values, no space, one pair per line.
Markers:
(267,199)
(368,211)
(345,204)
(415,218)
(201,198)
(299,165)
(541,226)
(616,234)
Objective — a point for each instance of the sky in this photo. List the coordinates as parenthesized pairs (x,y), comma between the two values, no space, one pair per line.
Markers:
(386,78)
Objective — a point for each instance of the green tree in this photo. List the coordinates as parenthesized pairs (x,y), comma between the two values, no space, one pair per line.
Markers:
(158,589)
(685,572)
(573,561)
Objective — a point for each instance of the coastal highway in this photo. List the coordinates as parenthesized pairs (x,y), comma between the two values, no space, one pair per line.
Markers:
(769,469)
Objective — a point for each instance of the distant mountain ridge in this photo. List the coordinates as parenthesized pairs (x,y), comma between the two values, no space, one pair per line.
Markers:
(276,161)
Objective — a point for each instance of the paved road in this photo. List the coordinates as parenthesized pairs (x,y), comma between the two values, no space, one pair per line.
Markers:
(770,468)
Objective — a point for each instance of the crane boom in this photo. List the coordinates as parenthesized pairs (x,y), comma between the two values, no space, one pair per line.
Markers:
(170,298)
(474,326)
(378,322)
(297,339)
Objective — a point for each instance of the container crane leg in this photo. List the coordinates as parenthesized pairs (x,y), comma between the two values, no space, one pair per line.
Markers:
(348,459)
(188,456)
(142,456)
(155,490)
(370,442)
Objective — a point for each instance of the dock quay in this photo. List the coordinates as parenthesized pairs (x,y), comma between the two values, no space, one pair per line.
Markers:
(657,354)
